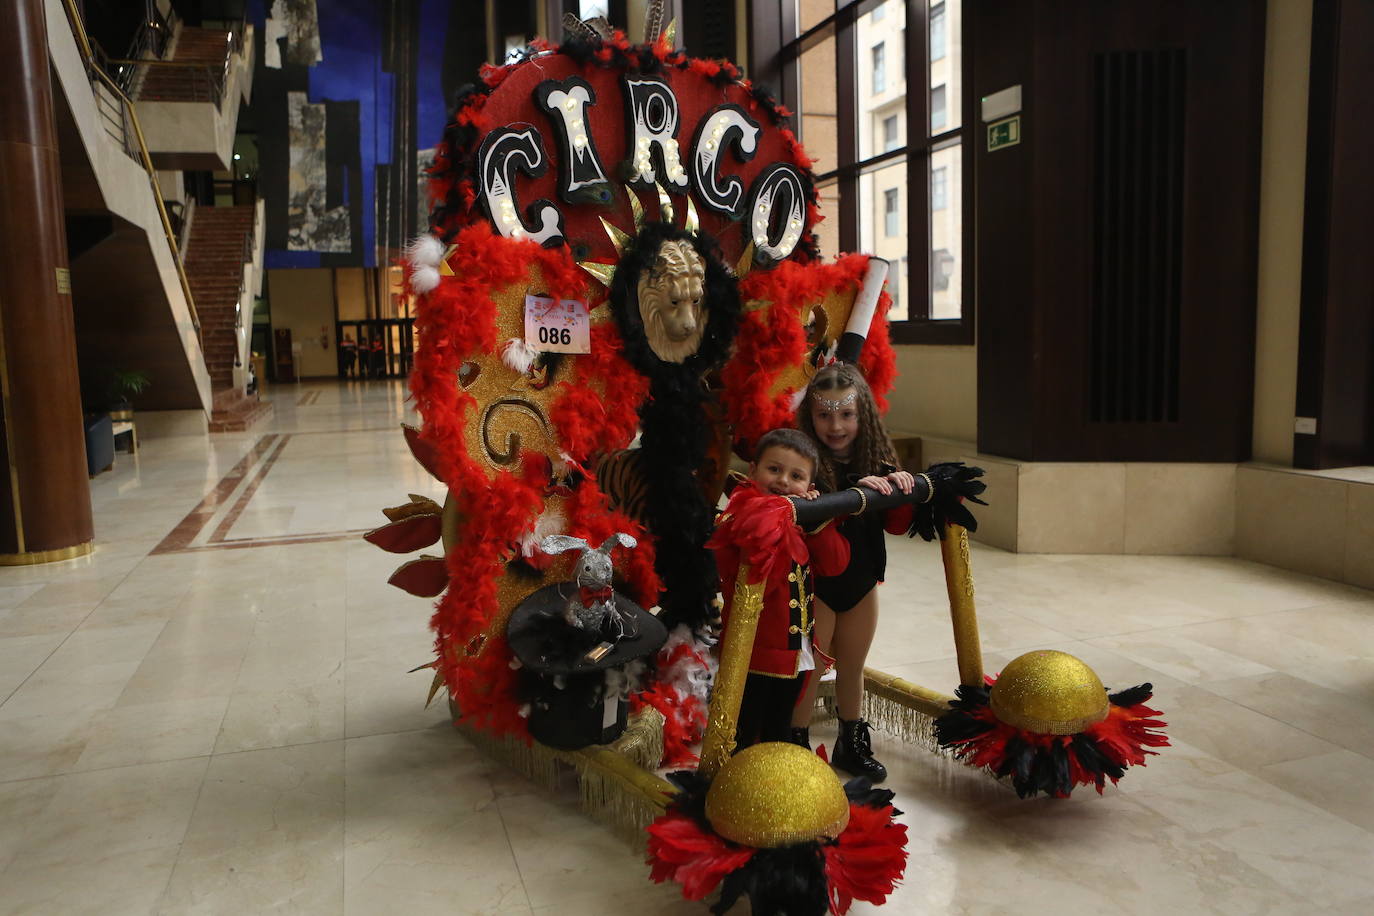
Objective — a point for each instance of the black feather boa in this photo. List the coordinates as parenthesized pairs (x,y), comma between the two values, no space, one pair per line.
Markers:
(674,424)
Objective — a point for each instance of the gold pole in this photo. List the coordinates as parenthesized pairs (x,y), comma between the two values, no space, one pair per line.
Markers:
(736,649)
(959,583)
(922,699)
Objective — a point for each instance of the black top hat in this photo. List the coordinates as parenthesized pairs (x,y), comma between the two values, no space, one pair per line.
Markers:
(546,643)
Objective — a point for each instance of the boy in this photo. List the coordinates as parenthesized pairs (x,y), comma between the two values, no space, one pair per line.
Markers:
(758,528)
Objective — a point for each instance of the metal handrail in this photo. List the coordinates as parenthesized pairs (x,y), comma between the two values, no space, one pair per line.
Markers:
(216,77)
(93,68)
(216,72)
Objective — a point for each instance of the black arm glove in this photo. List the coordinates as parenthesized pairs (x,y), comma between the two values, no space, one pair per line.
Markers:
(953,483)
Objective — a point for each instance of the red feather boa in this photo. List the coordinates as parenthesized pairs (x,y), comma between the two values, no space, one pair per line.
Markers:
(456,322)
(773,338)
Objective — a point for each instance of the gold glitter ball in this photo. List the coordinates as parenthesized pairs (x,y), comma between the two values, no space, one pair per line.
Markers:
(1050,693)
(776,794)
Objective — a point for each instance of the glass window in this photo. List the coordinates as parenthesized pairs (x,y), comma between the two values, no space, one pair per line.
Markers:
(937,32)
(812,12)
(877,176)
(946,62)
(946,233)
(890,141)
(883,226)
(941,269)
(817,117)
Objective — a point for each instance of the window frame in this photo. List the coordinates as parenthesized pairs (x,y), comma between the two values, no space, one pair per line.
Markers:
(776,48)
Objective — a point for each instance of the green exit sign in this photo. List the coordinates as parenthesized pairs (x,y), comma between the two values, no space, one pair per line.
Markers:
(1004,133)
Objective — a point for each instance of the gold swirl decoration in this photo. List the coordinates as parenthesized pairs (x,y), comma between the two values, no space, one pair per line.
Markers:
(776,794)
(505,457)
(1050,693)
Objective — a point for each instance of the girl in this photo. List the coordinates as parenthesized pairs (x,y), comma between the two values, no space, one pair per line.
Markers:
(839,414)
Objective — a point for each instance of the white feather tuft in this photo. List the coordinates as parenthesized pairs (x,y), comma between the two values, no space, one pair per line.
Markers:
(424,279)
(425,251)
(548,523)
(796,400)
(693,674)
(519,355)
(561,465)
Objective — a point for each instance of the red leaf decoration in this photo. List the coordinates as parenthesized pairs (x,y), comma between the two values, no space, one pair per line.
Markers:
(698,860)
(423,451)
(867,860)
(408,534)
(424,578)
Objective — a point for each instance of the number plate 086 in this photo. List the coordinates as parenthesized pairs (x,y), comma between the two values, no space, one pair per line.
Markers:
(558,325)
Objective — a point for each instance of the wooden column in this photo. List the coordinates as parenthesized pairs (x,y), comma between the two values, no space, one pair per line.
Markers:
(45,500)
(1335,396)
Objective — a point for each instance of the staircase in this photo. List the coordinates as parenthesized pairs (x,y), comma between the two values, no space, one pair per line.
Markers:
(208,48)
(214,267)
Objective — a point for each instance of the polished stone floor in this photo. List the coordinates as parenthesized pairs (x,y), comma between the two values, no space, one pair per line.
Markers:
(212,715)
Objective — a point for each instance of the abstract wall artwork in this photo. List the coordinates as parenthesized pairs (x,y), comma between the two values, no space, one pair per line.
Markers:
(349,99)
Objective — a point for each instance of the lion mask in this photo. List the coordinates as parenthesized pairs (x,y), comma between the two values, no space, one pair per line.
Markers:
(670,301)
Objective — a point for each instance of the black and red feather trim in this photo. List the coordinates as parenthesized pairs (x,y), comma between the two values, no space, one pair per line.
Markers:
(1052,764)
(864,862)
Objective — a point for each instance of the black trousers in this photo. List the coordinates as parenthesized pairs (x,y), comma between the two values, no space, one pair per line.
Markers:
(766,712)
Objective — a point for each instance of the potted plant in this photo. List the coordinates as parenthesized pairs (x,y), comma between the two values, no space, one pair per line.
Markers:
(125,384)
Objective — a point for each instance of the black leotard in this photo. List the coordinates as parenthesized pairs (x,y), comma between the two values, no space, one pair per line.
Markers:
(867,556)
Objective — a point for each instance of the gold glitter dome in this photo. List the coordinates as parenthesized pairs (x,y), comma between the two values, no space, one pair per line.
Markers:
(1050,693)
(776,794)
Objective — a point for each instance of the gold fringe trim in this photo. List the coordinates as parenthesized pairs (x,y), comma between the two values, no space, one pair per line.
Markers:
(615,789)
(642,741)
(901,721)
(534,761)
(618,793)
(903,709)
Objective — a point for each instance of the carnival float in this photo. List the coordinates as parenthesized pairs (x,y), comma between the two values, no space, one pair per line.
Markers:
(620,289)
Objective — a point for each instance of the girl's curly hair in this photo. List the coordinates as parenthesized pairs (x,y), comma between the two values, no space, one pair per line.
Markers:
(872,447)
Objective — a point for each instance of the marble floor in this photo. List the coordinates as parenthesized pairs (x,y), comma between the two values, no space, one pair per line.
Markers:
(212,715)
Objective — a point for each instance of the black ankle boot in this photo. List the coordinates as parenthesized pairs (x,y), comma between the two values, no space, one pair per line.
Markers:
(854,752)
(801,737)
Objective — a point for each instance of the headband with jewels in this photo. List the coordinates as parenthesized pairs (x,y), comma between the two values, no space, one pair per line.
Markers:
(829,404)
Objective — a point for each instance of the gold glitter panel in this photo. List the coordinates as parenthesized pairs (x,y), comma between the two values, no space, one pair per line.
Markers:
(512,407)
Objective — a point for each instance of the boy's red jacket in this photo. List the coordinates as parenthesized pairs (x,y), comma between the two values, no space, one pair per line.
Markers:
(760,529)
